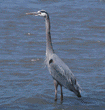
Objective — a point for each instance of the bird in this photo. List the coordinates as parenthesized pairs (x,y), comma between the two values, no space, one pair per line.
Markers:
(59,71)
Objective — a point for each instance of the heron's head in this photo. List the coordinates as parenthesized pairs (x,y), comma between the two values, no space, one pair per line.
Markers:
(39,13)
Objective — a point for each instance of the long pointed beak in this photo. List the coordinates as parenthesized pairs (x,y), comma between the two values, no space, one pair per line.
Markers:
(32,13)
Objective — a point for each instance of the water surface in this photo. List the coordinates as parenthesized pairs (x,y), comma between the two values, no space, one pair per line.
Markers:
(78,35)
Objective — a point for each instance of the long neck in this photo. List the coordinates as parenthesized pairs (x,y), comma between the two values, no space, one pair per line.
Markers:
(49,48)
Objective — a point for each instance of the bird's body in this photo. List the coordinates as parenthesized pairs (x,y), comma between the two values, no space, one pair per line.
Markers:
(60,72)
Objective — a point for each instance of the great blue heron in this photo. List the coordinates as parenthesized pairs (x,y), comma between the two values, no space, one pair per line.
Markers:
(60,72)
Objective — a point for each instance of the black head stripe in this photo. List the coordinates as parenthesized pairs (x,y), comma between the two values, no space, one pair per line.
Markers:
(42,11)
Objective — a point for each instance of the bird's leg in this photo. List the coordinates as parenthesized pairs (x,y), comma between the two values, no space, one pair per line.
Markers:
(61,93)
(56,86)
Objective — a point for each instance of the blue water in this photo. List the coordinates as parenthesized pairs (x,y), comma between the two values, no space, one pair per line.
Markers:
(78,35)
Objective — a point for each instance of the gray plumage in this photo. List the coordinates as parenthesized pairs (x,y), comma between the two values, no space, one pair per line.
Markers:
(60,72)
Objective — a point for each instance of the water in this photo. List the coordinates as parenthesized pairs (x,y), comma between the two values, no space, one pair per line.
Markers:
(78,35)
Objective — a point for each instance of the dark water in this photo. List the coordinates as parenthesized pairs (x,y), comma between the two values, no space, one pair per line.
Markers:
(78,35)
